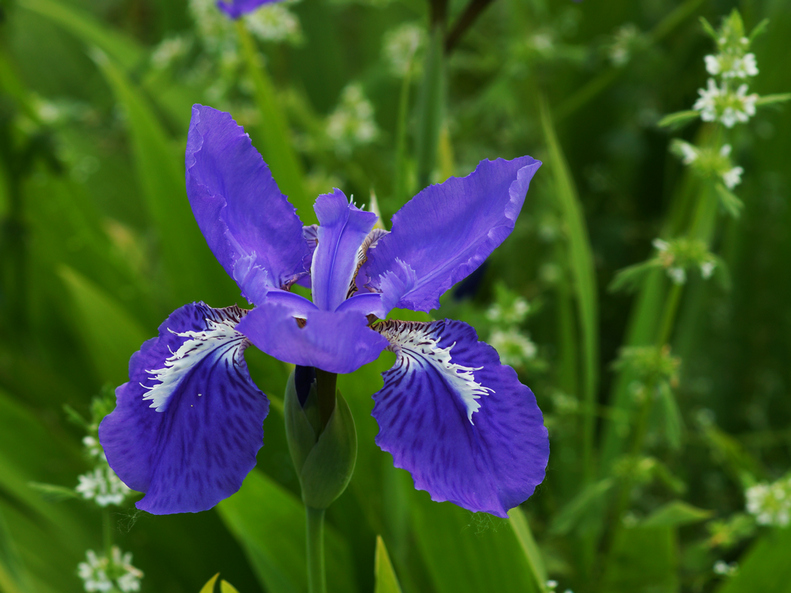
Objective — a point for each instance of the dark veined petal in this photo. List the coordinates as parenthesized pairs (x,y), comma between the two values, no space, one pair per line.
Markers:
(334,341)
(236,8)
(446,231)
(342,229)
(188,424)
(249,225)
(460,422)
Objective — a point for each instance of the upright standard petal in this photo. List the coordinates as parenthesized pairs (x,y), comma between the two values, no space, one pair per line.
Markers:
(249,225)
(333,341)
(236,8)
(460,422)
(188,424)
(446,231)
(342,229)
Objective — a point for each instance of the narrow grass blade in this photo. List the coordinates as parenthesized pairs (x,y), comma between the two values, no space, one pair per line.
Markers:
(521,528)
(584,281)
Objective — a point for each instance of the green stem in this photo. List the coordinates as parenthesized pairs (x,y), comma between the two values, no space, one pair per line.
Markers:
(400,189)
(107,531)
(317,579)
(431,106)
(669,314)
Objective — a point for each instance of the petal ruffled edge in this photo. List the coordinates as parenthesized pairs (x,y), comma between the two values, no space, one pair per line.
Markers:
(188,425)
(446,231)
(250,226)
(459,421)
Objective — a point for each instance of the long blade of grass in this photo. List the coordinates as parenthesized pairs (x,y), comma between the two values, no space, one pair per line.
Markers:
(582,271)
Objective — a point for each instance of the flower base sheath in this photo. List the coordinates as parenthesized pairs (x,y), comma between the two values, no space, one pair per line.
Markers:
(188,424)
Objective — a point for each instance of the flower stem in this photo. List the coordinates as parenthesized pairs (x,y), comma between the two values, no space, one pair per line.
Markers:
(317,580)
(107,531)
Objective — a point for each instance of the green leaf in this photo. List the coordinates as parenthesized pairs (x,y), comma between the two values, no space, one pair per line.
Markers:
(469,552)
(643,560)
(13,576)
(110,336)
(773,99)
(677,120)
(521,528)
(386,580)
(269,523)
(160,171)
(53,492)
(765,567)
(674,513)
(125,50)
(571,514)
(226,587)
(583,274)
(732,204)
(209,586)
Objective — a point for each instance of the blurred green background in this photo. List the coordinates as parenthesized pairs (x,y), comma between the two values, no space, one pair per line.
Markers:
(98,246)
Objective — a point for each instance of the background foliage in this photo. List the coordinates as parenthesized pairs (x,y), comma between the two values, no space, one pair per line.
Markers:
(98,245)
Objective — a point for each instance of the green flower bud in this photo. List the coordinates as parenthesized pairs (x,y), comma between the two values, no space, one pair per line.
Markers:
(324,456)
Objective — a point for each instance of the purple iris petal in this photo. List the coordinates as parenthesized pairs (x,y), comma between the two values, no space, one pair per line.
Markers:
(446,231)
(188,424)
(249,225)
(236,8)
(334,341)
(458,420)
(342,229)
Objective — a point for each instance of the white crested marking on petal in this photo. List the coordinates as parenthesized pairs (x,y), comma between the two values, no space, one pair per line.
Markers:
(419,342)
(220,332)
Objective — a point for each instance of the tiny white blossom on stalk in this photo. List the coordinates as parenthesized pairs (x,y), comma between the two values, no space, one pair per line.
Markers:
(707,103)
(732,177)
(102,486)
(92,447)
(770,504)
(401,45)
(707,269)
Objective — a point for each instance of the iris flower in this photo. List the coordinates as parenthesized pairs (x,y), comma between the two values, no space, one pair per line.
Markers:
(188,424)
(236,8)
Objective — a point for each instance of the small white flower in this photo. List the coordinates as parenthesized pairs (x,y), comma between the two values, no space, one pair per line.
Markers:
(713,66)
(732,177)
(707,103)
(707,268)
(401,45)
(513,314)
(725,569)
(689,153)
(677,275)
(660,245)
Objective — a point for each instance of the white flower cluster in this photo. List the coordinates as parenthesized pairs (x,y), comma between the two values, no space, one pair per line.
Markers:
(770,504)
(513,346)
(352,123)
(401,45)
(274,22)
(722,100)
(679,254)
(102,486)
(711,162)
(116,573)
(511,314)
